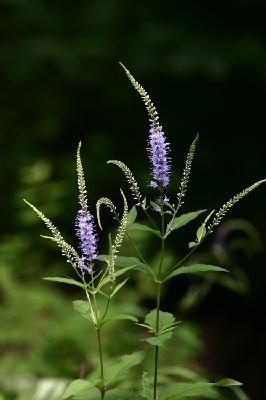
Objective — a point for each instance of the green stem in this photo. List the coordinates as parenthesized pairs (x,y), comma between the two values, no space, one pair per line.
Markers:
(158,302)
(101,359)
(140,255)
(98,330)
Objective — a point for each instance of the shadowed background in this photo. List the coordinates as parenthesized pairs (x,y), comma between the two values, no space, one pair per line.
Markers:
(204,67)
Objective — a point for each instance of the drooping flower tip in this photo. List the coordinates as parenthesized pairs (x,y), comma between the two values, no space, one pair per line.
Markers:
(86,233)
(158,150)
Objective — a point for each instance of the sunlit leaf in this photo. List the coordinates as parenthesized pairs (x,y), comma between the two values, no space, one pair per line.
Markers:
(183,220)
(132,215)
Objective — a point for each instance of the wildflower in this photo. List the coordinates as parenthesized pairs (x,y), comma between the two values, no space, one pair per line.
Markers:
(85,230)
(158,151)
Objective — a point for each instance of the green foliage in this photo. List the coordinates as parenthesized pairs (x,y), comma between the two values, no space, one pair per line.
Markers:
(182,220)
(78,388)
(141,227)
(69,281)
(128,262)
(184,390)
(192,269)
(165,329)
(83,308)
(132,215)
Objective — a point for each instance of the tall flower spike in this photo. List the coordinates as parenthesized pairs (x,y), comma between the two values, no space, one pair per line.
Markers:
(85,230)
(223,210)
(108,203)
(187,170)
(145,97)
(130,178)
(85,227)
(67,249)
(158,149)
(118,238)
(81,182)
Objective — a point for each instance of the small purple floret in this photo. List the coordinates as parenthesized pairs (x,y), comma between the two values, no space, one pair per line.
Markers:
(158,151)
(85,230)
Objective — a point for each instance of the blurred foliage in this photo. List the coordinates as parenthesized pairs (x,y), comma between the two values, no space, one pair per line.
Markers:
(204,65)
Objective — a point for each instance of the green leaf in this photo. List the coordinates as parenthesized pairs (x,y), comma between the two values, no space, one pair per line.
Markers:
(69,281)
(108,278)
(121,365)
(227,382)
(165,319)
(141,227)
(83,308)
(79,387)
(192,269)
(132,215)
(183,390)
(167,324)
(159,340)
(134,262)
(201,232)
(182,220)
(120,317)
(117,394)
(118,287)
(192,244)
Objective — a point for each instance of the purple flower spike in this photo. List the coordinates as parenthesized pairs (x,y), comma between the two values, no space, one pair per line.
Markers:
(158,151)
(85,230)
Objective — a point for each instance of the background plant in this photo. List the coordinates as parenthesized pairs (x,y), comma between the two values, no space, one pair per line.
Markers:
(160,324)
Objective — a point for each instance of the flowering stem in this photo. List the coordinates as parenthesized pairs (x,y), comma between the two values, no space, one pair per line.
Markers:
(158,302)
(98,330)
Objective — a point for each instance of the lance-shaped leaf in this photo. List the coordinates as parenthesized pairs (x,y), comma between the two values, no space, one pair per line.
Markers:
(141,227)
(69,281)
(79,387)
(182,220)
(193,269)
(122,262)
(132,215)
(118,366)
(83,308)
(183,390)
(119,317)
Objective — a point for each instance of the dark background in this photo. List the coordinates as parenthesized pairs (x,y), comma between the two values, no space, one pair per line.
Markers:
(204,65)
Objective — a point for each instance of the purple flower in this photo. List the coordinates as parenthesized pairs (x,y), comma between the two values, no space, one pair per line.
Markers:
(85,230)
(158,151)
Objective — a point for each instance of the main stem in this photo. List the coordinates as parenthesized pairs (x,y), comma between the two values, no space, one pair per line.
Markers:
(158,302)
(98,330)
(101,359)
